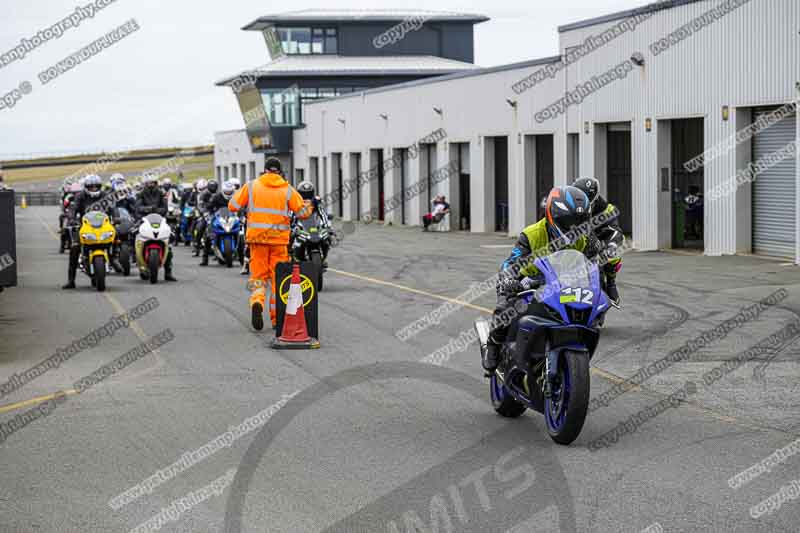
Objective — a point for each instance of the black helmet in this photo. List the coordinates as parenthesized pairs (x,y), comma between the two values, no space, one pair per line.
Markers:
(306,190)
(213,186)
(590,186)
(567,208)
(273,164)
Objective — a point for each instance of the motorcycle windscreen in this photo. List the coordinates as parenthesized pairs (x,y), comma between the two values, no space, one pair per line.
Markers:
(572,283)
(154,220)
(96,219)
(255,117)
(311,222)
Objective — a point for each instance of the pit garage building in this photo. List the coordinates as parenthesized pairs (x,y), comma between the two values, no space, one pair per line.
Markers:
(632,100)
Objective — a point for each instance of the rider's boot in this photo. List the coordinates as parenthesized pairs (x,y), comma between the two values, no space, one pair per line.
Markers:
(74,254)
(168,276)
(611,284)
(491,356)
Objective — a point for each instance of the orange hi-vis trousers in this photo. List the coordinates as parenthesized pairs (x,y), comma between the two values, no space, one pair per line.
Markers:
(264,259)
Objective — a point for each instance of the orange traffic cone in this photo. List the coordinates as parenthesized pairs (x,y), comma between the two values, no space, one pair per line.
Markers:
(295,330)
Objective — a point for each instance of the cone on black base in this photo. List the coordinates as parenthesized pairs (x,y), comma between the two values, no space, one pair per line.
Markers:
(295,331)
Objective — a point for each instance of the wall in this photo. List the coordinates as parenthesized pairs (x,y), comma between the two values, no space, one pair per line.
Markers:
(748,58)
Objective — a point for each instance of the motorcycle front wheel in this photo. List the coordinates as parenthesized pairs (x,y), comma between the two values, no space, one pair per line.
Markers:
(228,254)
(316,259)
(99,273)
(153,266)
(566,411)
(125,259)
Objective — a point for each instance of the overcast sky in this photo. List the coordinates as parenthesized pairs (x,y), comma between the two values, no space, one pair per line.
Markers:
(156,87)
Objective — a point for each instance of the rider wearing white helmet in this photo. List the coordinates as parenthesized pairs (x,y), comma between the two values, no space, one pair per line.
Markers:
(228,188)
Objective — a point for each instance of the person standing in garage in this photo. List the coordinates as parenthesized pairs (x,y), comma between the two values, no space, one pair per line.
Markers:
(269,201)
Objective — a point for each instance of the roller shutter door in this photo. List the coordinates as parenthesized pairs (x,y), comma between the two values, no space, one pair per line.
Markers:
(774,200)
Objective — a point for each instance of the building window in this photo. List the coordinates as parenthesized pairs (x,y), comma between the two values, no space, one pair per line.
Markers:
(227,173)
(309,40)
(219,172)
(252,170)
(282,106)
(233,170)
(331,41)
(318,41)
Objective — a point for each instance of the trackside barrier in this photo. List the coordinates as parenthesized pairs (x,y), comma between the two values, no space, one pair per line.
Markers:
(8,241)
(308,274)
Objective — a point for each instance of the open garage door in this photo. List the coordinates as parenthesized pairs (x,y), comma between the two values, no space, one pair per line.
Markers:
(774,205)
(620,173)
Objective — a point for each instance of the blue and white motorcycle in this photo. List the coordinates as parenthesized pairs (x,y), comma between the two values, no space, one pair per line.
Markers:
(544,363)
(224,235)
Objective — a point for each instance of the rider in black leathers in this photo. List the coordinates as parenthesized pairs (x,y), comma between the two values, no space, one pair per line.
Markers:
(85,200)
(152,200)
(606,237)
(308,192)
(203,201)
(218,200)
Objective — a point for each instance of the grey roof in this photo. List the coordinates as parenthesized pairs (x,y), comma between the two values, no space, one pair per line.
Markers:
(439,79)
(362,15)
(649,8)
(332,65)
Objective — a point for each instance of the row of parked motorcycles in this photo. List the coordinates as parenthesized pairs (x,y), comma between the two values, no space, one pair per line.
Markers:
(116,240)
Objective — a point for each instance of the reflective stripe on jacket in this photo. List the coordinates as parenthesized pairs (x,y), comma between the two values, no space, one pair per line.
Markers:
(269,200)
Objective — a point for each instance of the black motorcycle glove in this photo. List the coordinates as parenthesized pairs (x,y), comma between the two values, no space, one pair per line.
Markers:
(508,284)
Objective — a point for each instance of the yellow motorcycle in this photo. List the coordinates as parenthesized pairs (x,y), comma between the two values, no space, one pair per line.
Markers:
(96,236)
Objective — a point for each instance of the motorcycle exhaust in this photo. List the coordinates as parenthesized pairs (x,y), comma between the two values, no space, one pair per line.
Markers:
(483,329)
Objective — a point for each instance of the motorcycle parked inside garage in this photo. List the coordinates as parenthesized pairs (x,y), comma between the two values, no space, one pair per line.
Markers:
(544,363)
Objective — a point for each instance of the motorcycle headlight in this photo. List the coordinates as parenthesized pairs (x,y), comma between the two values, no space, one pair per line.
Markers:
(107,235)
(88,236)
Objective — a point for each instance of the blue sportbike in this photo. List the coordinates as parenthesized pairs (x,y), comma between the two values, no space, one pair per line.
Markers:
(188,218)
(544,363)
(224,235)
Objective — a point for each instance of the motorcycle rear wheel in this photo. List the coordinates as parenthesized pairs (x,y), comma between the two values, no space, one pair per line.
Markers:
(566,413)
